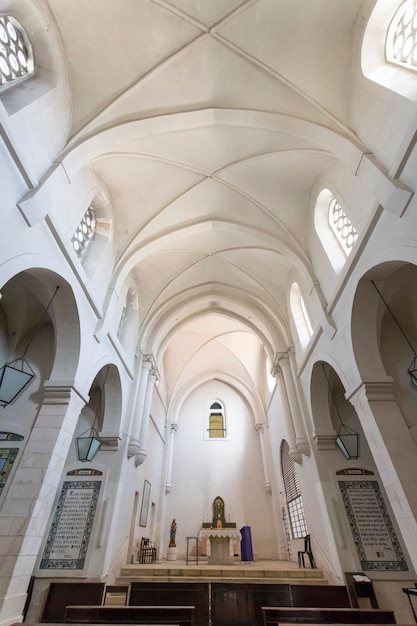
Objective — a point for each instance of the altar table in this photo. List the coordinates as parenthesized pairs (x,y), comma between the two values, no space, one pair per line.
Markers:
(220,543)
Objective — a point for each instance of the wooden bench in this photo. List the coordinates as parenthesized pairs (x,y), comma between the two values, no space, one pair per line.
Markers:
(309,615)
(181,615)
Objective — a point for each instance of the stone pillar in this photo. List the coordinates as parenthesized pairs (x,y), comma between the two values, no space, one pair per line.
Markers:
(293,451)
(301,442)
(168,484)
(260,429)
(393,450)
(143,436)
(30,497)
(134,445)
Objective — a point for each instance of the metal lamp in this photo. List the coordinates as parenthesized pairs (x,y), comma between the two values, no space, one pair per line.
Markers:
(87,447)
(16,376)
(347,440)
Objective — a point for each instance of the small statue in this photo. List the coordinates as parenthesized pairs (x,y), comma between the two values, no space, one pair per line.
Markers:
(172,534)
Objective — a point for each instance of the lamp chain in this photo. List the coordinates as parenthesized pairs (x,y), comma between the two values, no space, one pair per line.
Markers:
(394,318)
(332,395)
(39,323)
(100,399)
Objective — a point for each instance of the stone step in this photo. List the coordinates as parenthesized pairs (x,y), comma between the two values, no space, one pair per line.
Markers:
(232,574)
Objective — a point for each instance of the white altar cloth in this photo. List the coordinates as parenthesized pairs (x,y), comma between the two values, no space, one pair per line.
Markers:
(220,539)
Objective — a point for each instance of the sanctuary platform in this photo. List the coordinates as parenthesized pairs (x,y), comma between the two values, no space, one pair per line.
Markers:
(264,571)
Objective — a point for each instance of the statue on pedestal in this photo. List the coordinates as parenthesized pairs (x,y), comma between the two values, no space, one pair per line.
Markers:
(172,533)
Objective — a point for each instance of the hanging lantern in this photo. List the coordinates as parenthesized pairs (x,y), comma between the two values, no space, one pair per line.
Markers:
(14,378)
(87,447)
(16,375)
(347,440)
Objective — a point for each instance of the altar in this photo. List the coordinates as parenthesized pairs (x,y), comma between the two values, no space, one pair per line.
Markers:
(220,539)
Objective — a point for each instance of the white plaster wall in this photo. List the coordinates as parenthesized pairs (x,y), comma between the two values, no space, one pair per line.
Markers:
(231,469)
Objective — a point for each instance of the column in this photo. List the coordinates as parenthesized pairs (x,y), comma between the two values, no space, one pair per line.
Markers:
(134,445)
(168,484)
(393,450)
(293,451)
(25,512)
(301,442)
(144,427)
(260,429)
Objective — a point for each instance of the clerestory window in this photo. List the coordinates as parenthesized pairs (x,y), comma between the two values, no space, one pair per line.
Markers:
(341,226)
(85,232)
(216,427)
(401,43)
(334,228)
(16,53)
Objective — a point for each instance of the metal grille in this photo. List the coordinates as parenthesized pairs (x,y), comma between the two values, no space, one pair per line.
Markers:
(292,494)
(16,57)
(401,45)
(341,226)
(216,425)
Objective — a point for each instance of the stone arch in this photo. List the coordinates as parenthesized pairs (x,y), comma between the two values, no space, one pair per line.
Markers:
(54,336)
(320,406)
(103,411)
(246,394)
(390,343)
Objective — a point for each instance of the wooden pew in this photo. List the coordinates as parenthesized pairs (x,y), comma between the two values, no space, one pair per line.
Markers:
(99,614)
(320,596)
(273,615)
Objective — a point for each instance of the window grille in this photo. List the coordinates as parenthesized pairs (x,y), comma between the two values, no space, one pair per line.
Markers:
(401,44)
(85,232)
(16,55)
(292,494)
(341,226)
(216,427)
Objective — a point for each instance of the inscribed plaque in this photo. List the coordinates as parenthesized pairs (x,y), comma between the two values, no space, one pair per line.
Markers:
(7,458)
(373,532)
(70,532)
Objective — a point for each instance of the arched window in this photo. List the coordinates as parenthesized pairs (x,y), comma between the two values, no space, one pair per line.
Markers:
(85,232)
(334,228)
(16,54)
(341,226)
(216,429)
(292,494)
(300,315)
(389,55)
(401,44)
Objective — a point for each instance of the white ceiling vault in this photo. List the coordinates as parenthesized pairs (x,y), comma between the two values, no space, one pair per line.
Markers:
(209,121)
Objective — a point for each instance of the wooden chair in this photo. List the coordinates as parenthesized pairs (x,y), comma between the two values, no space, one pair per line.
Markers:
(116,595)
(147,551)
(307,550)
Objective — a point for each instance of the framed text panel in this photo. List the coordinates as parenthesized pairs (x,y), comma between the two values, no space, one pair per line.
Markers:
(70,532)
(7,458)
(374,535)
(143,519)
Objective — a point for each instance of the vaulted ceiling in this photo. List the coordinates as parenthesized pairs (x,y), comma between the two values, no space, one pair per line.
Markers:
(210,121)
